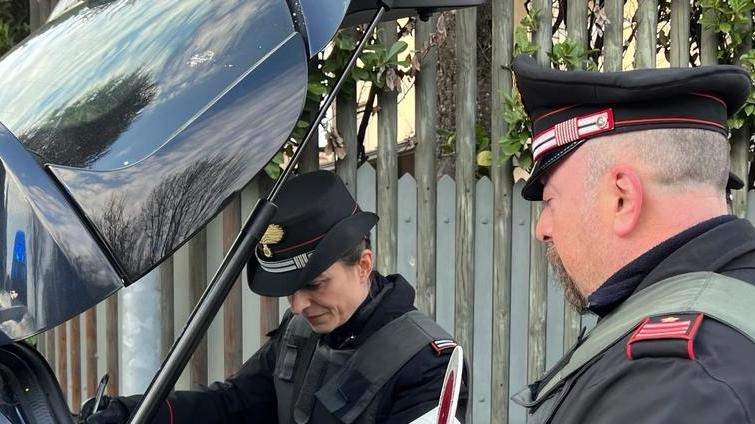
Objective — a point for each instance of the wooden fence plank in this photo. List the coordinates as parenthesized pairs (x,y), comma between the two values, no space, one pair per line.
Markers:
(257,320)
(740,138)
(387,168)
(90,358)
(751,209)
(197,252)
(50,349)
(446,253)
(538,266)
(111,340)
(216,338)
(232,305)
(537,302)
(406,250)
(74,345)
(740,142)
(708,40)
(426,115)
(310,158)
(647,29)
(501,174)
(34,18)
(366,186)
(346,124)
(520,280)
(613,41)
(466,100)
(167,308)
(45,7)
(680,16)
(483,302)
(62,356)
(576,21)
(543,39)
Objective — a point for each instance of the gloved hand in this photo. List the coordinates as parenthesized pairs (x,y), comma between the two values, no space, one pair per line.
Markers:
(109,411)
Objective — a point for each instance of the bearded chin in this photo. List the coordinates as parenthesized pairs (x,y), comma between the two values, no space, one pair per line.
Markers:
(571,292)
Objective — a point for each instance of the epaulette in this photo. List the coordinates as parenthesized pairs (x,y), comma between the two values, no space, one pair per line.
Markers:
(442,346)
(665,336)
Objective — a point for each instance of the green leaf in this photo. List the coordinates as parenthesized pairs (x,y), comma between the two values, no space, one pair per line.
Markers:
(316,89)
(345,41)
(510,148)
(396,48)
(404,63)
(273,170)
(485,158)
(736,122)
(525,161)
(360,74)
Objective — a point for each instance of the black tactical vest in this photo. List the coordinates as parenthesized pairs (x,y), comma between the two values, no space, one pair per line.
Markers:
(347,382)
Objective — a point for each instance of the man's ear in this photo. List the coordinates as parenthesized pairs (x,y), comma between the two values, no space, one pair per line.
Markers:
(365,264)
(627,195)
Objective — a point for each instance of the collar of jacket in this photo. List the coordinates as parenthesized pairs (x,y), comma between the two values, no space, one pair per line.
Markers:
(390,297)
(676,255)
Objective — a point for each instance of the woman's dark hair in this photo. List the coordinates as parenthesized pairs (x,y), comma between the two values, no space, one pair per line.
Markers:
(352,256)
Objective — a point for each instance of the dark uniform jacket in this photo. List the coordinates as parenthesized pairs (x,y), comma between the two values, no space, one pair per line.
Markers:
(718,386)
(249,396)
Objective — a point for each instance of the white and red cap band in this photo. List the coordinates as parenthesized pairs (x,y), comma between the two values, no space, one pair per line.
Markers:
(576,128)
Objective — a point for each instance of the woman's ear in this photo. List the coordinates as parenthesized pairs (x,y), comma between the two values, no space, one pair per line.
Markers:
(627,195)
(365,265)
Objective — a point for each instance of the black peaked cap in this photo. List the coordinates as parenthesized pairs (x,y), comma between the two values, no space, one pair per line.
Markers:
(570,107)
(316,223)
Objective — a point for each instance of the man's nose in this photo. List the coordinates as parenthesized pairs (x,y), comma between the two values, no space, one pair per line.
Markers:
(299,302)
(543,228)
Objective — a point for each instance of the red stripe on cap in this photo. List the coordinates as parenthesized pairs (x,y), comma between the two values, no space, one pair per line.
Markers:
(553,112)
(659,120)
(299,245)
(353,211)
(711,97)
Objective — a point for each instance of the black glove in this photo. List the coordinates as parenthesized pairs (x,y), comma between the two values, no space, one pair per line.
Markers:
(109,411)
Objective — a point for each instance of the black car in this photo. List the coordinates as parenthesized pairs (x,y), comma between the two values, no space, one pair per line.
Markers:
(126,125)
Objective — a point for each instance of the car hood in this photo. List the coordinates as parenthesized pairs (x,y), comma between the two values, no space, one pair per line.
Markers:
(126,126)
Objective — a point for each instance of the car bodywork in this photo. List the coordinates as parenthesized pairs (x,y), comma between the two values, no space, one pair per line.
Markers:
(125,126)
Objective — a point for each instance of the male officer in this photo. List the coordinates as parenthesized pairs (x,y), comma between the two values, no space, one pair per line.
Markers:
(632,168)
(352,348)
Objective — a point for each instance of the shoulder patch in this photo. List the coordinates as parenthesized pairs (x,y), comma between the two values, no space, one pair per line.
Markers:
(665,336)
(441,346)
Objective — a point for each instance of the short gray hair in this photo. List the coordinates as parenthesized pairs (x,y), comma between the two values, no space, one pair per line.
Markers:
(677,158)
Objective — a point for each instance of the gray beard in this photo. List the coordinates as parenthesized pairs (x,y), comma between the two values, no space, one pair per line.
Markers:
(571,292)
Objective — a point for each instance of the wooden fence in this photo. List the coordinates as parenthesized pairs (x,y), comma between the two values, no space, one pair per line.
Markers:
(465,243)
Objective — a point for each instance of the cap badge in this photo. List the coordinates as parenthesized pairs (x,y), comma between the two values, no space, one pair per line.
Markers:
(273,234)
